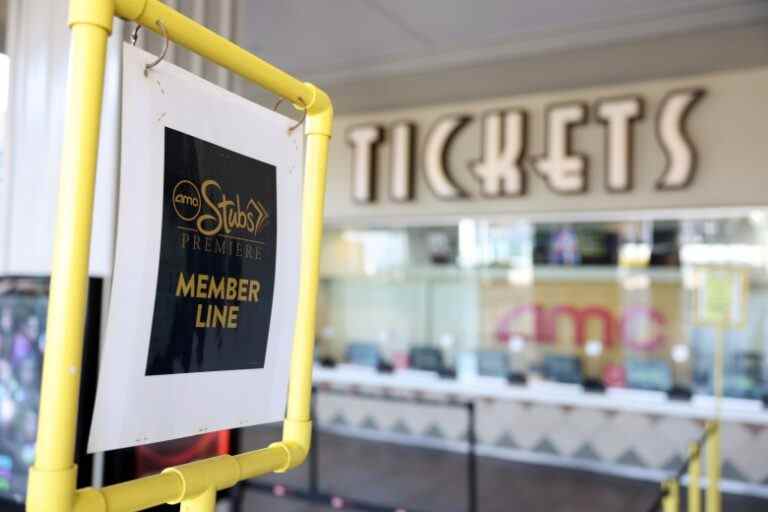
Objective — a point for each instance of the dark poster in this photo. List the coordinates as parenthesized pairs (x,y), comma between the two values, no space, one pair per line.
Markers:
(217,260)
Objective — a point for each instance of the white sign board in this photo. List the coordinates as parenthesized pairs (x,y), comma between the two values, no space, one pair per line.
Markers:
(203,302)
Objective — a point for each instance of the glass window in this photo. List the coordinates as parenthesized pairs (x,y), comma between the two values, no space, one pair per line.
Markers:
(613,303)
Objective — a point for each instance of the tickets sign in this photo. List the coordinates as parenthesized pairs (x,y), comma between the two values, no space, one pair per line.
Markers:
(654,147)
(205,284)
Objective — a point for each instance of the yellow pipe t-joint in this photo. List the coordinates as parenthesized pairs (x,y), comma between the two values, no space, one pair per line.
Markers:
(197,477)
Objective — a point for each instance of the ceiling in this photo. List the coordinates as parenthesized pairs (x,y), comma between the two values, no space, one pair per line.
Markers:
(347,40)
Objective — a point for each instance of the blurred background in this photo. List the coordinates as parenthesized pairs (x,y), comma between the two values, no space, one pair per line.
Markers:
(533,210)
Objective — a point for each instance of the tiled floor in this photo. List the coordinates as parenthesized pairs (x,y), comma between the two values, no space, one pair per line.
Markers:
(431,480)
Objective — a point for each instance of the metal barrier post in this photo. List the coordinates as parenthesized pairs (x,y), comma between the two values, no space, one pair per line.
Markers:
(713,468)
(694,476)
(714,500)
(472,457)
(671,501)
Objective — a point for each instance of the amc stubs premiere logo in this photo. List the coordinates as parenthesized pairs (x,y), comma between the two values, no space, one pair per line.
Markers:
(217,259)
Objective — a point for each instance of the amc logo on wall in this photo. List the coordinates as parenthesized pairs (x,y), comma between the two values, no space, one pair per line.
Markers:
(506,163)
(615,330)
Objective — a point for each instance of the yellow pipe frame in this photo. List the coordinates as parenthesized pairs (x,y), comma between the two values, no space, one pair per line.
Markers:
(52,478)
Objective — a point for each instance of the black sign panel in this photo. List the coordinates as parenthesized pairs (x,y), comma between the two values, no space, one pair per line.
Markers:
(217,260)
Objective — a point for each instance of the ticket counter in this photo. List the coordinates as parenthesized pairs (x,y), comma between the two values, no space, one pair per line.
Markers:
(546,257)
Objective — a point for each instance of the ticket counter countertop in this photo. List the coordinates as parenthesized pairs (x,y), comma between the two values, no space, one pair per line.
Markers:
(630,432)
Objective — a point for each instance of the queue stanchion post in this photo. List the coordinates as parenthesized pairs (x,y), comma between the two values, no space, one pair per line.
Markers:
(714,453)
(471,456)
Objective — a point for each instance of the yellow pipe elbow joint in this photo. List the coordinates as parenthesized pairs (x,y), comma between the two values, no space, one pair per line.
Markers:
(49,489)
(319,112)
(92,12)
(130,9)
(297,441)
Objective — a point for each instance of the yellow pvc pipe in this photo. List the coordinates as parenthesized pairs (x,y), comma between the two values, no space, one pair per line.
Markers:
(312,231)
(260,462)
(694,478)
(713,497)
(69,278)
(168,486)
(53,474)
(141,493)
(204,502)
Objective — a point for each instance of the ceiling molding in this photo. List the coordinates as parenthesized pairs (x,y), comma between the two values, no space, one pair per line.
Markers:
(667,56)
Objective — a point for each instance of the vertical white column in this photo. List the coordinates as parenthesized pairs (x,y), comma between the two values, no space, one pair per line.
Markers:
(5,176)
(39,47)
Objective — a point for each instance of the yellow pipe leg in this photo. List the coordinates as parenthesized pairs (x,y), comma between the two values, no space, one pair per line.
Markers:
(297,427)
(52,478)
(713,469)
(205,502)
(694,479)
(301,363)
